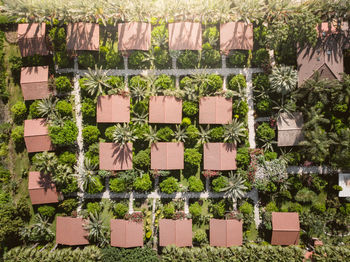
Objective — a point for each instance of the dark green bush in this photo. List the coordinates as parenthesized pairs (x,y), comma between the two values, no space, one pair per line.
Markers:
(68,158)
(64,136)
(192,156)
(136,81)
(219,183)
(68,205)
(261,81)
(16,65)
(260,58)
(211,58)
(305,195)
(265,132)
(61,59)
(189,108)
(17,135)
(93,207)
(93,154)
(200,237)
(96,187)
(214,85)
(169,210)
(236,82)
(64,108)
(319,207)
(218,209)
(120,210)
(264,107)
(164,82)
(271,207)
(63,84)
(19,112)
(88,109)
(47,211)
(145,254)
(243,157)
(136,60)
(117,185)
(58,38)
(116,82)
(295,207)
(240,109)
(165,134)
(195,184)
(237,59)
(195,210)
(33,109)
(217,134)
(142,159)
(211,35)
(188,59)
(91,134)
(169,185)
(162,58)
(86,60)
(143,183)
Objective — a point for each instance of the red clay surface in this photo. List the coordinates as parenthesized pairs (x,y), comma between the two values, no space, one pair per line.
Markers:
(113,109)
(134,36)
(31,39)
(126,233)
(34,82)
(285,228)
(226,233)
(167,156)
(36,135)
(70,231)
(83,36)
(165,109)
(185,36)
(236,35)
(215,110)
(115,157)
(175,232)
(219,156)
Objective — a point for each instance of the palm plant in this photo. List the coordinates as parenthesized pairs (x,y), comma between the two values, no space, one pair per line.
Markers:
(62,174)
(46,162)
(97,229)
(140,118)
(235,189)
(150,58)
(47,106)
(315,119)
(151,136)
(268,144)
(86,174)
(138,93)
(180,134)
(234,131)
(39,231)
(123,134)
(204,135)
(96,81)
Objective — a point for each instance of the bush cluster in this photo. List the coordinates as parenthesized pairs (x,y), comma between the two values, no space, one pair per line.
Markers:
(64,108)
(91,134)
(63,84)
(143,183)
(169,185)
(195,184)
(19,112)
(265,132)
(120,210)
(219,183)
(65,135)
(47,211)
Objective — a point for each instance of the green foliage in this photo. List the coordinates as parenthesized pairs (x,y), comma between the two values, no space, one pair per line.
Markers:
(261,81)
(117,185)
(218,209)
(219,183)
(243,157)
(328,253)
(265,132)
(192,133)
(86,60)
(186,122)
(138,81)
(64,108)
(16,65)
(33,109)
(261,58)
(68,205)
(200,237)
(318,183)
(189,108)
(214,84)
(65,135)
(162,58)
(246,208)
(295,207)
(63,84)
(120,210)
(164,82)
(211,35)
(240,109)
(93,207)
(61,59)
(142,159)
(17,135)
(211,58)
(19,112)
(337,188)
(237,59)
(95,187)
(195,184)
(145,254)
(88,108)
(216,134)
(91,134)
(169,185)
(93,153)
(116,82)
(68,158)
(46,211)
(319,207)
(169,210)
(109,58)
(143,183)
(188,59)
(270,155)
(195,210)
(271,207)
(236,82)
(165,134)
(136,60)
(305,195)
(264,107)
(192,156)
(58,38)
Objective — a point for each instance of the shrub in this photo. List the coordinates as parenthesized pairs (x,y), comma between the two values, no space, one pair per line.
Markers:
(319,207)
(96,187)
(215,84)
(270,187)
(165,134)
(159,33)
(68,158)
(295,207)
(143,183)
(88,108)
(136,59)
(243,157)
(211,35)
(17,135)
(219,183)
(217,134)
(61,59)
(169,210)
(136,81)
(192,156)
(162,58)
(33,109)
(58,38)
(237,59)
(200,237)
(65,135)
(120,210)
(188,59)
(116,82)
(271,207)
(19,112)
(264,107)
(169,185)
(240,109)
(164,82)
(305,195)
(16,65)
(186,122)
(260,58)
(192,133)
(142,159)
(261,81)
(211,58)
(93,207)
(246,208)
(318,183)
(265,132)
(236,82)
(63,84)
(270,155)
(93,154)
(218,209)
(337,188)
(68,205)
(195,210)
(189,108)
(64,108)
(195,184)
(143,254)
(117,185)
(86,60)
(47,211)
(112,59)
(91,134)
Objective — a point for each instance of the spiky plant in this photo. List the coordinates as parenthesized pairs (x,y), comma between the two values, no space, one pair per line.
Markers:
(151,136)
(47,106)
(97,229)
(96,81)
(45,162)
(204,135)
(123,134)
(283,80)
(234,132)
(140,118)
(86,174)
(138,93)
(235,189)
(62,174)
(180,134)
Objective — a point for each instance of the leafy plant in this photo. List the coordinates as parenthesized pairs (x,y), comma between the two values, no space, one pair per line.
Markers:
(63,84)
(143,183)
(169,185)
(96,82)
(219,183)
(195,184)
(123,134)
(234,132)
(46,211)
(120,210)
(91,134)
